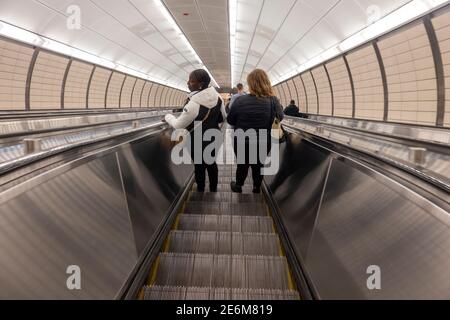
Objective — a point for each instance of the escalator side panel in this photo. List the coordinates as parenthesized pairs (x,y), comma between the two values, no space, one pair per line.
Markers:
(151,183)
(365,221)
(96,212)
(297,189)
(343,217)
(77,218)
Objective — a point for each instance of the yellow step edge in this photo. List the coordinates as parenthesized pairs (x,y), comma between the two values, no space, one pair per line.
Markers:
(282,253)
(154,269)
(291,285)
(141,294)
(166,245)
(177,223)
(153,272)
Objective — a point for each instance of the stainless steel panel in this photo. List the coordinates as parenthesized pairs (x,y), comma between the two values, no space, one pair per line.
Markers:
(386,146)
(151,182)
(62,121)
(298,186)
(407,131)
(366,219)
(77,218)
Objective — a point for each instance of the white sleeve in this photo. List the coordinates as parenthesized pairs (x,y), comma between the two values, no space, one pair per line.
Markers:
(190,112)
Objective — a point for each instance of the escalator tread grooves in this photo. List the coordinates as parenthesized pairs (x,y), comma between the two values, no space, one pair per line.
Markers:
(222,246)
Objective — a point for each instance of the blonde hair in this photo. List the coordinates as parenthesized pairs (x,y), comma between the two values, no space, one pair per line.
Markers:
(259,84)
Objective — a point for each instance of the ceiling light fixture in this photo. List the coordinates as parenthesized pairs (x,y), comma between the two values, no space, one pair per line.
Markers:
(163,9)
(390,22)
(12,32)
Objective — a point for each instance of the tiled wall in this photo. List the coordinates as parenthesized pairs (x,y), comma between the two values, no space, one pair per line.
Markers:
(366,73)
(97,89)
(287,94)
(166,96)
(152,98)
(282,95)
(395,78)
(441,24)
(181,98)
(46,81)
(146,93)
(57,82)
(77,85)
(411,76)
(301,93)
(114,89)
(293,91)
(14,64)
(324,90)
(342,89)
(158,96)
(277,92)
(136,99)
(311,92)
(174,98)
(169,98)
(127,91)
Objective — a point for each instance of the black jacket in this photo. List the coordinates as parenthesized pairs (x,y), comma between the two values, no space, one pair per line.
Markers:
(251,112)
(292,111)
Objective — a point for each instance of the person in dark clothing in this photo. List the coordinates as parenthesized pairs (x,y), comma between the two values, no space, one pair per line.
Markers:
(256,111)
(292,110)
(205,105)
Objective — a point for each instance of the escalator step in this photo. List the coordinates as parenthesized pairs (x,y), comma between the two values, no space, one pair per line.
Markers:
(193,293)
(225,187)
(224,243)
(222,271)
(225,197)
(225,208)
(225,223)
(226,173)
(227,180)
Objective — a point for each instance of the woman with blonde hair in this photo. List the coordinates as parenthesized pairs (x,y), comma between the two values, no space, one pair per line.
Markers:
(252,116)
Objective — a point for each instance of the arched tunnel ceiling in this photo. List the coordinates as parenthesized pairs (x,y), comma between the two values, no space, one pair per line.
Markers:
(133,33)
(277,36)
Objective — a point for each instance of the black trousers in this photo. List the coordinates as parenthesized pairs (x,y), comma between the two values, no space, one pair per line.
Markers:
(200,176)
(255,162)
(202,168)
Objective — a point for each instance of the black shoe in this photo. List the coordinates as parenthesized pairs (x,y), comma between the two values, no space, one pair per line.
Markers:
(201,190)
(256,189)
(235,188)
(213,189)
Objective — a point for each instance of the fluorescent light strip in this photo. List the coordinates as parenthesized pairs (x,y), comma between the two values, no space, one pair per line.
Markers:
(21,35)
(392,21)
(232,8)
(180,33)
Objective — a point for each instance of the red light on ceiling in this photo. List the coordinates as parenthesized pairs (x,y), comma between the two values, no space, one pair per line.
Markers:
(185,14)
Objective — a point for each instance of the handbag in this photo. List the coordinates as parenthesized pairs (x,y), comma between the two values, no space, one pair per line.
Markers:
(277,131)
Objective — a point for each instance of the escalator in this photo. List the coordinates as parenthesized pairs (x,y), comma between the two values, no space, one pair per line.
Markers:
(134,224)
(222,246)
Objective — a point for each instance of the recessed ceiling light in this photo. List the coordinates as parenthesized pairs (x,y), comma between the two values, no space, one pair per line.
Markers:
(166,13)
